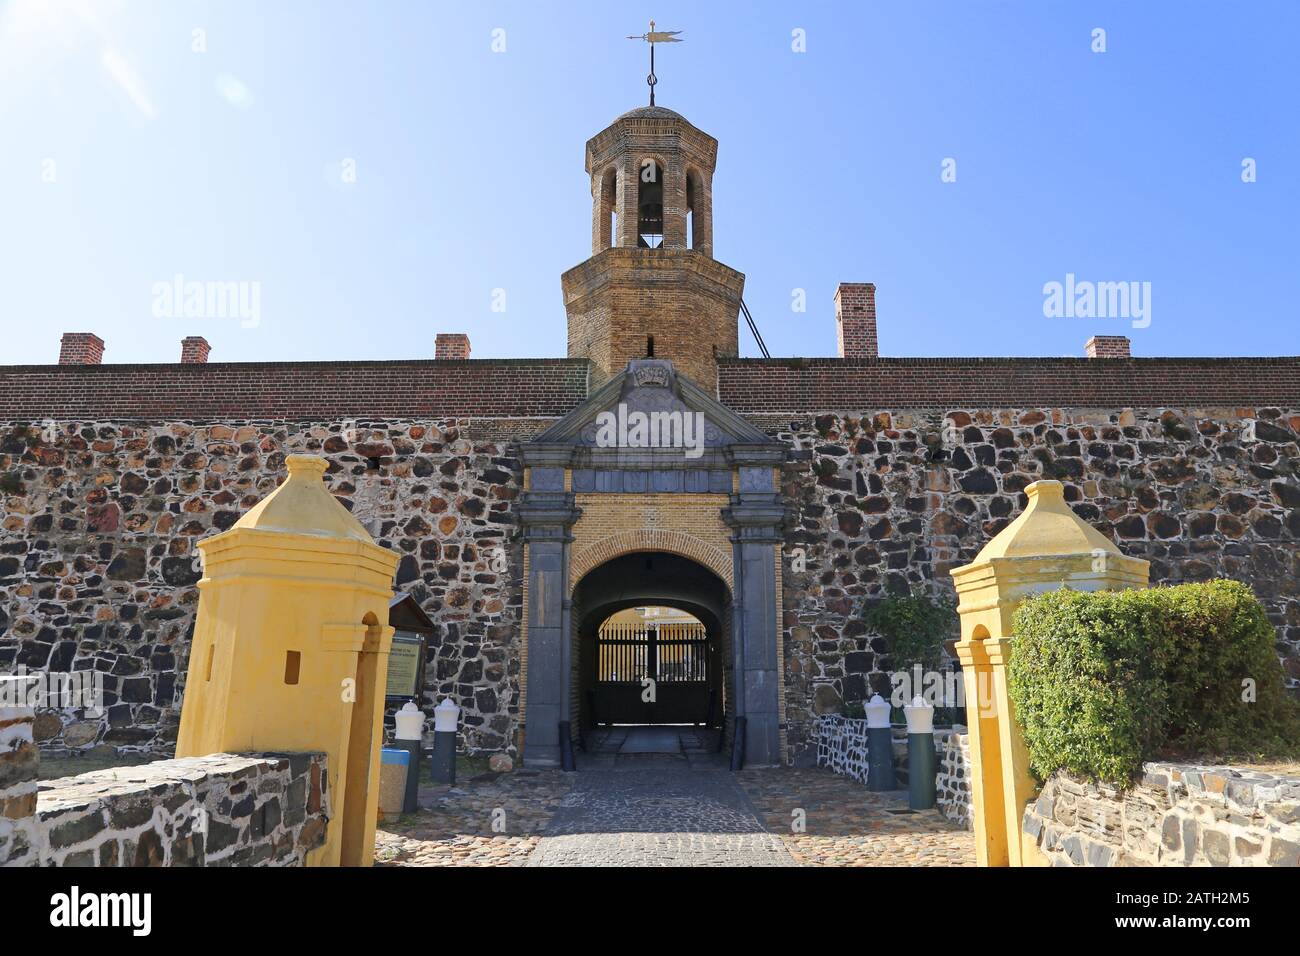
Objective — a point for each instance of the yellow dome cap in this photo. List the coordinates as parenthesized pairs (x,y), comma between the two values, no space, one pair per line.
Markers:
(303,505)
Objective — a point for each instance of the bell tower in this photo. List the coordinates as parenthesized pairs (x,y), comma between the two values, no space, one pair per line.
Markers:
(652,288)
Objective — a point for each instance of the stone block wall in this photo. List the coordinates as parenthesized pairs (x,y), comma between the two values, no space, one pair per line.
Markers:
(888,501)
(842,748)
(219,810)
(98,569)
(952,782)
(19,761)
(99,516)
(1175,815)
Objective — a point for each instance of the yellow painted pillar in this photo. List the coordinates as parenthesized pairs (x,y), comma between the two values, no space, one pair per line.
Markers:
(1047,547)
(290,649)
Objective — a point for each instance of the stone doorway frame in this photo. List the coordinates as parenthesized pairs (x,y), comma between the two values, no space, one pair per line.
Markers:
(731,485)
(755,637)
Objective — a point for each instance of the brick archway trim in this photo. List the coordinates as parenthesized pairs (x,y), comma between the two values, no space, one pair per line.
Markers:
(648,539)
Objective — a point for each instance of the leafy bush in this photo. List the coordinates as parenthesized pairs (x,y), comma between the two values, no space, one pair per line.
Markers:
(1086,681)
(1103,681)
(1221,639)
(914,628)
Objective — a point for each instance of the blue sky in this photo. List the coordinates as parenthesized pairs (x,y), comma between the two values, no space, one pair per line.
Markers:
(128,157)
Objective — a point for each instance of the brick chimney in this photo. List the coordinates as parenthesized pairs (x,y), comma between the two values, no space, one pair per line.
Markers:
(451,345)
(855,319)
(194,350)
(1107,346)
(81,348)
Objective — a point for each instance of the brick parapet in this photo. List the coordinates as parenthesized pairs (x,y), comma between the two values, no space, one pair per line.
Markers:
(758,386)
(299,391)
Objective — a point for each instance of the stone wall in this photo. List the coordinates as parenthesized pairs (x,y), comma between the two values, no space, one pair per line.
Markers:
(887,501)
(98,520)
(98,570)
(1175,815)
(219,810)
(952,781)
(842,748)
(19,762)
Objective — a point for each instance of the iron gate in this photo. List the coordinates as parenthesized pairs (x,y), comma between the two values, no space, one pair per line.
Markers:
(678,659)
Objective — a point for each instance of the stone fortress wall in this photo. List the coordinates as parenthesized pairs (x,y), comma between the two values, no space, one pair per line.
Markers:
(98,570)
(889,501)
(101,504)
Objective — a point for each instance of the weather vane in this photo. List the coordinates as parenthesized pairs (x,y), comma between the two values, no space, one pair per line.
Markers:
(653,37)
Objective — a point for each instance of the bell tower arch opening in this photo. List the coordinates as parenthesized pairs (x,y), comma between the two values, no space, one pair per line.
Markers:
(699,212)
(604,190)
(650,205)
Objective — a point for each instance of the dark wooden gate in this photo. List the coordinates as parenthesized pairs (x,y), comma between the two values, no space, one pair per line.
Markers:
(678,658)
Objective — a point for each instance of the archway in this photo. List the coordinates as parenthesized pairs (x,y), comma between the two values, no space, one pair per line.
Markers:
(641,673)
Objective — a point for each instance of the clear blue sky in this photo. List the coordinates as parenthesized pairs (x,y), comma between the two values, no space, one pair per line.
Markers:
(225,165)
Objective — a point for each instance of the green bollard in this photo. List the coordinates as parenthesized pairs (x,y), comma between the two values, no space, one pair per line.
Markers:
(920,754)
(443,763)
(880,747)
(409,736)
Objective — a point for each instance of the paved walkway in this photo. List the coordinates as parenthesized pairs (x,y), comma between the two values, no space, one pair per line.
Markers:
(657,816)
(828,820)
(663,797)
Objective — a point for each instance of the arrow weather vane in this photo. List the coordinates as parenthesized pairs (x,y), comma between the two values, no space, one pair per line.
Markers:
(653,37)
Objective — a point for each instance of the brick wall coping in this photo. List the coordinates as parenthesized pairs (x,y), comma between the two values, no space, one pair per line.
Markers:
(552,387)
(294,390)
(752,386)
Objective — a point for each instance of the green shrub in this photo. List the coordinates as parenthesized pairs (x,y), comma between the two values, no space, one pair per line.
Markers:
(1232,697)
(914,628)
(1086,682)
(1103,681)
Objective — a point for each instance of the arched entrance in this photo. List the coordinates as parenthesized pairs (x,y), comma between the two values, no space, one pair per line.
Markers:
(707,511)
(632,670)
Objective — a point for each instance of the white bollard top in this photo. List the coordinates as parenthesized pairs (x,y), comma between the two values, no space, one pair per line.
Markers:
(445,717)
(877,712)
(920,716)
(410,722)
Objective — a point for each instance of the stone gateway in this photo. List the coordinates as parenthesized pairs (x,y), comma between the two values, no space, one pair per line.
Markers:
(770,499)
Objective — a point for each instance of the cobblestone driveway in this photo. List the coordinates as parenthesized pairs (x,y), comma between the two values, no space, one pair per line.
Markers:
(844,824)
(659,812)
(489,820)
(659,816)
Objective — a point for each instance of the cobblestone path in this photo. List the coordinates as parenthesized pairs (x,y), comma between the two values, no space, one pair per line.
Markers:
(640,809)
(841,823)
(660,816)
(489,820)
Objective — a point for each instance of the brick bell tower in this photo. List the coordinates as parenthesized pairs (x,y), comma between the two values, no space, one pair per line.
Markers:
(652,287)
